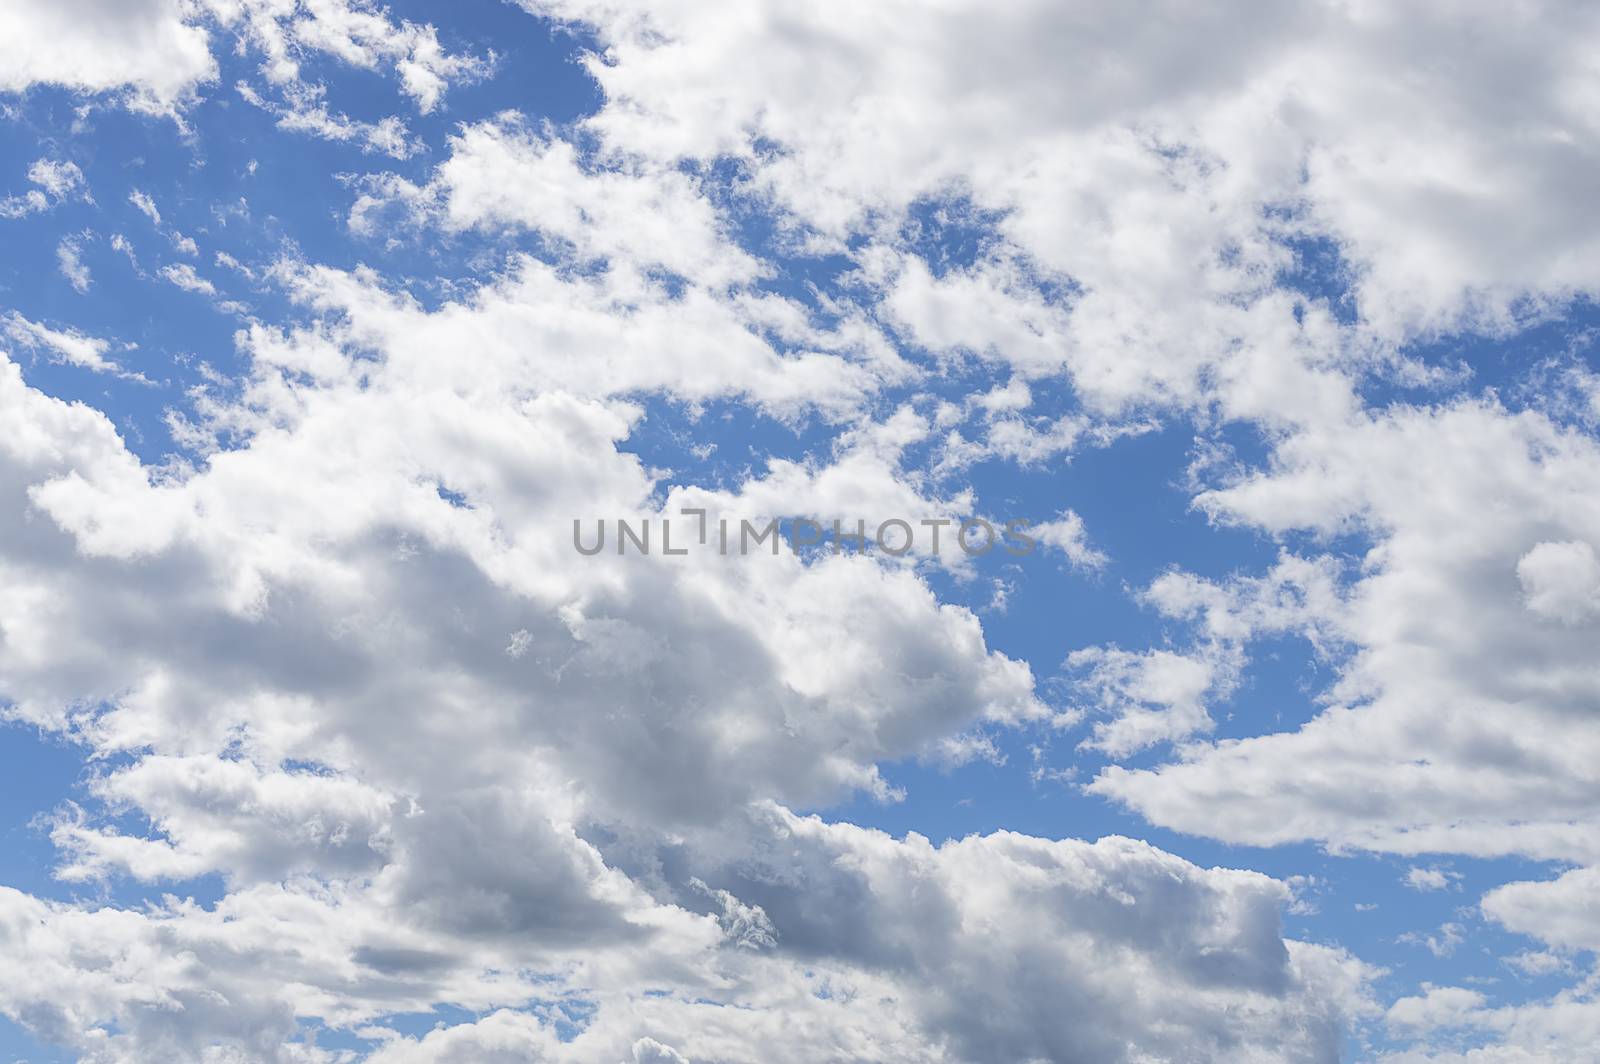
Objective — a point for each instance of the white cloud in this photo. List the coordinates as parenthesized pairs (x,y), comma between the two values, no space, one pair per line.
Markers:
(304,110)
(1536,964)
(70,263)
(1561,912)
(1561,581)
(1465,196)
(149,48)
(67,345)
(648,704)
(635,336)
(145,205)
(158,53)
(1455,722)
(1067,534)
(999,946)
(1425,879)
(345,659)
(184,276)
(1152,697)
(650,216)
(1562,1028)
(992,310)
(357,33)
(1439,1006)
(1441,944)
(57,181)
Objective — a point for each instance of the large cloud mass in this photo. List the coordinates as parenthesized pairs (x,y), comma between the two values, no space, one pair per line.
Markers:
(336,655)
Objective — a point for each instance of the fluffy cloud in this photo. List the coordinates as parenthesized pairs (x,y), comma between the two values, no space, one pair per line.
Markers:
(654,218)
(342,656)
(158,53)
(149,48)
(357,33)
(1560,912)
(1457,720)
(1563,1029)
(1561,581)
(1154,697)
(346,754)
(993,947)
(1466,194)
(1418,878)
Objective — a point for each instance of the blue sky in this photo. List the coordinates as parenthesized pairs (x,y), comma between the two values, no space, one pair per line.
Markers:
(1295,349)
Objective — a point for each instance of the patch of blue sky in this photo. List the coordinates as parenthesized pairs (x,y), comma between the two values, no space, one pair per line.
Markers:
(719,443)
(1320,272)
(1492,361)
(410,1024)
(950,232)
(1557,338)
(18,1046)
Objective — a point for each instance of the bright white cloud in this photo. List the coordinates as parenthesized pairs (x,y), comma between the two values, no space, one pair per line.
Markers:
(652,217)
(1466,736)
(148,48)
(1466,195)
(67,345)
(184,276)
(1559,912)
(1561,581)
(145,205)
(159,53)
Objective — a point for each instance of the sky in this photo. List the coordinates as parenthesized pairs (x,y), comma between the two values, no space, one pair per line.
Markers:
(325,325)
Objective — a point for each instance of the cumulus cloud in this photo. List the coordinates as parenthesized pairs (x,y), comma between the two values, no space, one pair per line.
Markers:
(1158,696)
(415,481)
(1455,724)
(341,655)
(149,49)
(1068,535)
(1431,205)
(693,347)
(1558,912)
(1561,581)
(897,948)
(653,216)
(1442,1018)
